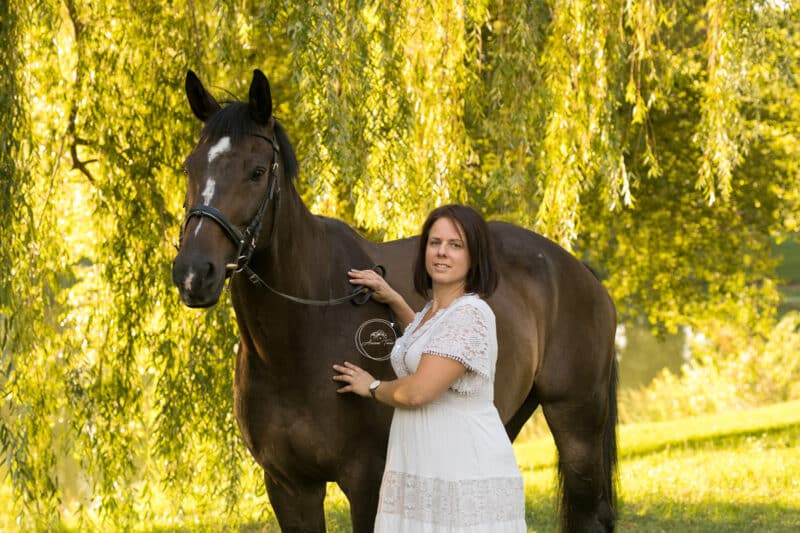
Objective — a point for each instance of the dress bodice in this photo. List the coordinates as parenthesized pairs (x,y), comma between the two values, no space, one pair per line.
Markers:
(463,331)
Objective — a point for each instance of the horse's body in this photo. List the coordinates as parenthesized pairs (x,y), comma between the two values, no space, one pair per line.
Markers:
(555,323)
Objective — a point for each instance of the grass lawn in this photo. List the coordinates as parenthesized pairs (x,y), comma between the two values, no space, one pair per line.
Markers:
(731,472)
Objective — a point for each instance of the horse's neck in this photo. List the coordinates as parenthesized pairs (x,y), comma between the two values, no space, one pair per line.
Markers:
(303,255)
(307,258)
(297,234)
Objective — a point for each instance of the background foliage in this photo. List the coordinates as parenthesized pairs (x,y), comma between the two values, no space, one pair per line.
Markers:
(657,140)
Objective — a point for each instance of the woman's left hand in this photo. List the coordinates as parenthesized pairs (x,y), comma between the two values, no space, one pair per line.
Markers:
(356,378)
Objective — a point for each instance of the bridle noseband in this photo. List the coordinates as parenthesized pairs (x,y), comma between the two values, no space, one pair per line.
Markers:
(245,241)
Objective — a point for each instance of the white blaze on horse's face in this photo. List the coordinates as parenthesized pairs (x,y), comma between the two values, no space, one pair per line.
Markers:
(208,192)
(223,146)
(187,284)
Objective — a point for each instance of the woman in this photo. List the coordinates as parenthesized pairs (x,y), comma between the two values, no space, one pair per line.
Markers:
(450,465)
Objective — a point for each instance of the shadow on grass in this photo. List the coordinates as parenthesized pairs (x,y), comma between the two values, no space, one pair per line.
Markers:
(710,517)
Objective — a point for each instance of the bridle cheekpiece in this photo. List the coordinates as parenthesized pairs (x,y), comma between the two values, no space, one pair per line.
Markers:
(245,241)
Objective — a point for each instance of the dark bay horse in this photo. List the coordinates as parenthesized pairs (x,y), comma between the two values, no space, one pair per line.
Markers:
(290,291)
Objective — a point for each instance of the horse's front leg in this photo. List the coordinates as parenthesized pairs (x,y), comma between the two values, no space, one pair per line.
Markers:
(361,484)
(299,507)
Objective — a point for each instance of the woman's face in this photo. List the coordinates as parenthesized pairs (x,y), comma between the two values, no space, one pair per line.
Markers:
(446,255)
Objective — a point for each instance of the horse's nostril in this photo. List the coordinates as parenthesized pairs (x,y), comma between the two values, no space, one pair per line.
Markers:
(209,270)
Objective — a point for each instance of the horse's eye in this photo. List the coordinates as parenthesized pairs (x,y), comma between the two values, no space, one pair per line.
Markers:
(257,173)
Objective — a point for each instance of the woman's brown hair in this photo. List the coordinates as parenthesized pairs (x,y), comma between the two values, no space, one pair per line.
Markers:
(482,274)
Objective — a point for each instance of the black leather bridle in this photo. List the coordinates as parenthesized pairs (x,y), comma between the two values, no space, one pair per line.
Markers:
(245,241)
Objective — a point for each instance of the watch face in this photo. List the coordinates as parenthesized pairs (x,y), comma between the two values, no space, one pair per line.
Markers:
(374,385)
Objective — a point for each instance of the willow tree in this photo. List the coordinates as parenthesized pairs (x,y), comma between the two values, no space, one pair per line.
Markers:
(658,140)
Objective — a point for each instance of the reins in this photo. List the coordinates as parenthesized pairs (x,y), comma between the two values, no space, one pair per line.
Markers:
(360,295)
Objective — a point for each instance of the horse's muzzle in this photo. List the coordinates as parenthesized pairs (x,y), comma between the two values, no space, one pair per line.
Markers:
(199,282)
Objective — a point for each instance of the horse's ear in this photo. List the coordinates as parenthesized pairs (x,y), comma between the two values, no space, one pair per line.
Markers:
(203,104)
(260,98)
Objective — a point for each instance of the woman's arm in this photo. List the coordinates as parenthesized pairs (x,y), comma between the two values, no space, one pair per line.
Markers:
(433,376)
(384,293)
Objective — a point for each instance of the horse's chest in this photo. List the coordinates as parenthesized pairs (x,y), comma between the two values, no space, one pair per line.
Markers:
(282,432)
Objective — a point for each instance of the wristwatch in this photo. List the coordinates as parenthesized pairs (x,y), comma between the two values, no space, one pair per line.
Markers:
(374,386)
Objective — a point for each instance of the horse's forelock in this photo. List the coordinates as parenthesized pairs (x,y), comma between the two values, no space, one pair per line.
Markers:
(234,121)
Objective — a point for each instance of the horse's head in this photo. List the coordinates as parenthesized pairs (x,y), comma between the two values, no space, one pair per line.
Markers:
(234,177)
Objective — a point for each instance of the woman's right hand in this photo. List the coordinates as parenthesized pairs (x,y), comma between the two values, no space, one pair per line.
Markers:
(381,290)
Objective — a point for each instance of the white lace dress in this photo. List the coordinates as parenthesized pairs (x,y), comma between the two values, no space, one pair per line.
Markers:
(450,466)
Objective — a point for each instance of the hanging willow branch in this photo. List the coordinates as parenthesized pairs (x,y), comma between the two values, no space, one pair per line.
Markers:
(721,132)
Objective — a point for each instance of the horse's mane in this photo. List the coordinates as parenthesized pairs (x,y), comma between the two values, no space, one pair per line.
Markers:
(234,121)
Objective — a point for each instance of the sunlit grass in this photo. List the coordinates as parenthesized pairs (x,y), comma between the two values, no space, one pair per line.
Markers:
(642,438)
(730,483)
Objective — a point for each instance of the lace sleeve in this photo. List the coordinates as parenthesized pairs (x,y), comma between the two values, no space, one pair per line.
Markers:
(464,335)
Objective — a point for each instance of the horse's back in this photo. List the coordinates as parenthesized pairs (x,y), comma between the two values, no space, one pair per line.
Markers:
(555,319)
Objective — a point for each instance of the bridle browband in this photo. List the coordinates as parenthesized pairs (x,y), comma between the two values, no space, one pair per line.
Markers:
(246,240)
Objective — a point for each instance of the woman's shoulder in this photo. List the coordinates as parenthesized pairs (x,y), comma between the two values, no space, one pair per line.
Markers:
(472,300)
